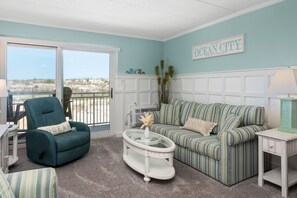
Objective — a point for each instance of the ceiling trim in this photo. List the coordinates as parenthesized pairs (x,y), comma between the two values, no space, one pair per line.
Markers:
(88,30)
(228,17)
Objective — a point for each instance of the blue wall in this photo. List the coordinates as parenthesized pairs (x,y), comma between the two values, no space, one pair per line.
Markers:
(136,53)
(270,41)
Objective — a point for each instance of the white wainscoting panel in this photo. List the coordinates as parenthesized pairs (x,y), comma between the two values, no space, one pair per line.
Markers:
(130,85)
(200,84)
(144,84)
(255,84)
(188,84)
(232,84)
(215,84)
(215,98)
(201,98)
(130,90)
(248,87)
(257,101)
(177,84)
(234,100)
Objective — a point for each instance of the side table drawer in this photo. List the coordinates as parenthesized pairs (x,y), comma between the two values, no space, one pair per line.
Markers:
(272,145)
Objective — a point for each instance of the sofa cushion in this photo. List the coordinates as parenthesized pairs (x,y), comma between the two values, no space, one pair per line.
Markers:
(187,110)
(199,126)
(208,112)
(5,188)
(170,114)
(175,101)
(232,122)
(156,115)
(70,140)
(175,133)
(209,146)
(251,115)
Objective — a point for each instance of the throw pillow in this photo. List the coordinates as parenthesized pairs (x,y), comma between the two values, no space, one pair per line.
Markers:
(156,115)
(232,121)
(5,189)
(170,114)
(200,126)
(57,129)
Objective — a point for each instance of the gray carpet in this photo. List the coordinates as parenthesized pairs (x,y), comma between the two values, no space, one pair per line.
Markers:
(103,173)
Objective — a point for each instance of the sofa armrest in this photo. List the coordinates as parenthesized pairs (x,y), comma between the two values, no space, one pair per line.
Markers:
(243,134)
(80,126)
(34,183)
(156,115)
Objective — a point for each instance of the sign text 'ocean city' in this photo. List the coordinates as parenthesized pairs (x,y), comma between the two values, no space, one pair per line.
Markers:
(232,45)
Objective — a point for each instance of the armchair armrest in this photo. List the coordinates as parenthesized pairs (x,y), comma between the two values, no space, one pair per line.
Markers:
(46,187)
(41,146)
(80,126)
(243,134)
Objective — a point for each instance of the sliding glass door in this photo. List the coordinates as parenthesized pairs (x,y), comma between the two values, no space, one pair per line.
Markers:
(86,78)
(80,76)
(31,73)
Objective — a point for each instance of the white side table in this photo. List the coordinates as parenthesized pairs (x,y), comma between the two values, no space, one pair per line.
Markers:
(284,145)
(13,132)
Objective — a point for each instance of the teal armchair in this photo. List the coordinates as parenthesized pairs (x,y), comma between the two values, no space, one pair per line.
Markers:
(45,148)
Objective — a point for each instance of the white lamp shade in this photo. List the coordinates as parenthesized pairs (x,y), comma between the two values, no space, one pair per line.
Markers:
(284,82)
(3,88)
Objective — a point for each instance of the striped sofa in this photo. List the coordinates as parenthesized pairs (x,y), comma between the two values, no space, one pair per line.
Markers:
(29,184)
(228,158)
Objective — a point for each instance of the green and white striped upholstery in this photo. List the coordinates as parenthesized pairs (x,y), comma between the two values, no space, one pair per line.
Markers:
(239,161)
(175,133)
(175,101)
(232,121)
(208,146)
(34,183)
(250,114)
(208,112)
(230,159)
(243,134)
(187,110)
(5,189)
(206,165)
(170,114)
(156,115)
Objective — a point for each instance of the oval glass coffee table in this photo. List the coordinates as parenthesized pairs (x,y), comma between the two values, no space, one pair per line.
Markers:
(152,157)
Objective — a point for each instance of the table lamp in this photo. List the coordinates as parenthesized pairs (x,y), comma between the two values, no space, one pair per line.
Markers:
(3,89)
(285,82)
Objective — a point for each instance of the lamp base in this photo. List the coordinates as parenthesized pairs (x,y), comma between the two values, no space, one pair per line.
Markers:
(287,130)
(288,114)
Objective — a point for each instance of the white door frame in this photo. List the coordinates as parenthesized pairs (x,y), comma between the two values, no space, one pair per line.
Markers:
(113,65)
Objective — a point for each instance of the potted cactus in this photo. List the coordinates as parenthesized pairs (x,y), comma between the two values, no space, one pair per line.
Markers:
(163,82)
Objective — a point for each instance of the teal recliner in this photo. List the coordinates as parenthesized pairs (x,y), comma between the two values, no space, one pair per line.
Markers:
(45,148)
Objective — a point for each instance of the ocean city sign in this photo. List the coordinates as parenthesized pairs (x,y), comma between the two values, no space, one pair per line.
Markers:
(232,45)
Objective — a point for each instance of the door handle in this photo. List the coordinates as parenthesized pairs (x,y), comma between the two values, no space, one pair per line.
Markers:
(111,93)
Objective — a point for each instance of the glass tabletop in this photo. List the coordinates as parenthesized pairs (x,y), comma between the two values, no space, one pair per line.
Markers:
(154,139)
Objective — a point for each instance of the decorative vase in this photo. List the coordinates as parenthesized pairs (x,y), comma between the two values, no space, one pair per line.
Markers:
(146,132)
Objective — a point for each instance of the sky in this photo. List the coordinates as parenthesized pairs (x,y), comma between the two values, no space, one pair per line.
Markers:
(25,63)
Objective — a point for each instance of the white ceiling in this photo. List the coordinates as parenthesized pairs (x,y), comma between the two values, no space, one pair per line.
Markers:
(153,19)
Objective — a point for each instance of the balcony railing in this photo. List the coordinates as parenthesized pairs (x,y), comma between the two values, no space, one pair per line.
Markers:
(91,108)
